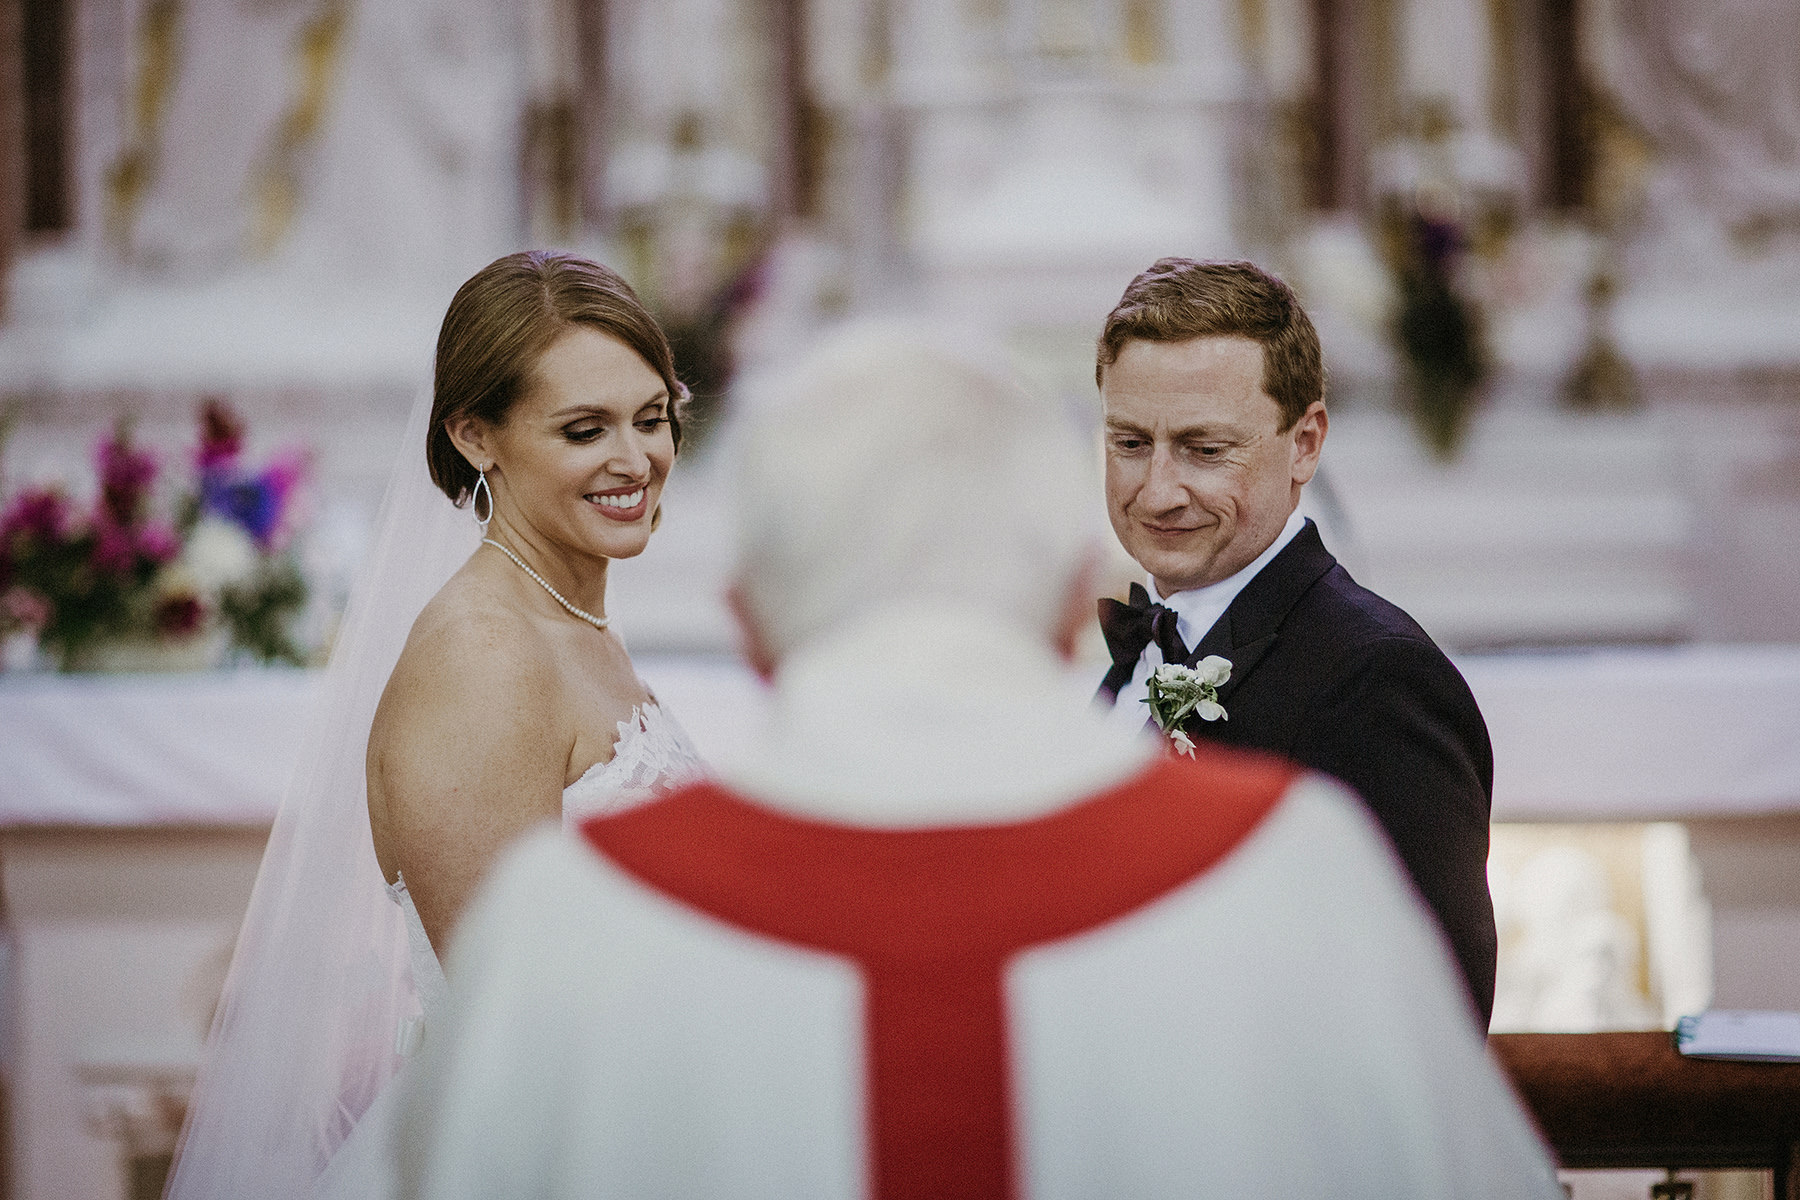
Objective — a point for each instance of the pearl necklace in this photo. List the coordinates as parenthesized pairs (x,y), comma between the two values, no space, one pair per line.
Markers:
(590,618)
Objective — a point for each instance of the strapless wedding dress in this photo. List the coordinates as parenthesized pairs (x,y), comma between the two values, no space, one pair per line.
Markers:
(652,757)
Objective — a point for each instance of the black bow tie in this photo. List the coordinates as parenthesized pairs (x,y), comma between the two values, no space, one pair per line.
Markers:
(1132,626)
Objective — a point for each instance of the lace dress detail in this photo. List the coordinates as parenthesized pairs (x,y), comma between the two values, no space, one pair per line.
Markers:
(651,757)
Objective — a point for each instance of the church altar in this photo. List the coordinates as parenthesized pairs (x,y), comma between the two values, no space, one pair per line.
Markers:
(133,810)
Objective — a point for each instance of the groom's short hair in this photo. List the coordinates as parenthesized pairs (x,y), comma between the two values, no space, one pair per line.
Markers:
(1182,298)
(894,465)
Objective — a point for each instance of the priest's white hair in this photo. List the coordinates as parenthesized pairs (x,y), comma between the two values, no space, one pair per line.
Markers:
(895,464)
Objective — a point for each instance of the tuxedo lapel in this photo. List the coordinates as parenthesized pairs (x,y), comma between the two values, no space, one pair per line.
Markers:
(1246,629)
(1243,655)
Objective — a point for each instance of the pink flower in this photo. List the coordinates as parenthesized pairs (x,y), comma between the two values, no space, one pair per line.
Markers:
(157,542)
(113,549)
(40,513)
(126,474)
(23,608)
(281,482)
(179,615)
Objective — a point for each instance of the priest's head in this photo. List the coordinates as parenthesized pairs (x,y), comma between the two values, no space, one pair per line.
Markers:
(894,466)
(1213,391)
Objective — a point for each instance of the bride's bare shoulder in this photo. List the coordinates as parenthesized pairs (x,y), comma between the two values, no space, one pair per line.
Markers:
(469,745)
(468,649)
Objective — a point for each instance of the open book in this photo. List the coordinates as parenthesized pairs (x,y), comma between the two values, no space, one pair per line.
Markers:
(1743,1035)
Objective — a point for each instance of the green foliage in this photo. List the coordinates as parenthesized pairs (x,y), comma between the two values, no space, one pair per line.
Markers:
(260,613)
(86,605)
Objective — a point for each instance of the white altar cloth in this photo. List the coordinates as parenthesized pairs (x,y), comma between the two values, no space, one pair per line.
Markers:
(1593,735)
(218,747)
(1642,734)
(213,747)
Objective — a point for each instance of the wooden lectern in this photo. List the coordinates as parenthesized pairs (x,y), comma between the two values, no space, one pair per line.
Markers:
(1631,1100)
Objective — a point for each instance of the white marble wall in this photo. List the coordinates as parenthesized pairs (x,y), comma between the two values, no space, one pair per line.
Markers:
(1006,164)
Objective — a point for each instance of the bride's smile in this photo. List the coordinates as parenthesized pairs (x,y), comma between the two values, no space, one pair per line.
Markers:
(621,505)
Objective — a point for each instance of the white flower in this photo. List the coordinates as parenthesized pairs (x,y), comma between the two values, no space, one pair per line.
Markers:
(218,554)
(1213,670)
(1175,692)
(175,579)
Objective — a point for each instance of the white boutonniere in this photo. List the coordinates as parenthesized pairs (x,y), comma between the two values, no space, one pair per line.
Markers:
(1176,691)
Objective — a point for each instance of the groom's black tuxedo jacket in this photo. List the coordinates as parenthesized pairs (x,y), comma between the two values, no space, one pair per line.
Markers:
(1330,675)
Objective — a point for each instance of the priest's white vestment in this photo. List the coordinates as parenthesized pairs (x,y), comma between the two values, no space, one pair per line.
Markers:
(945,939)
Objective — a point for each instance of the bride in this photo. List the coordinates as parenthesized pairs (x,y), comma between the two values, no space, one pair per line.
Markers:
(487,702)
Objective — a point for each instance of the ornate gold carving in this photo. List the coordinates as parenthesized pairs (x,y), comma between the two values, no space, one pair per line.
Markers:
(275,184)
(553,161)
(1143,30)
(1602,379)
(129,178)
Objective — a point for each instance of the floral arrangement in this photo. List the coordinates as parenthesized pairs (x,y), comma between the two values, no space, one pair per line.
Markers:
(1176,691)
(220,568)
(1439,326)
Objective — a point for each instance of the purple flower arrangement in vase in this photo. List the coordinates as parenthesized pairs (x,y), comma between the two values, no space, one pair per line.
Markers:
(1439,328)
(221,573)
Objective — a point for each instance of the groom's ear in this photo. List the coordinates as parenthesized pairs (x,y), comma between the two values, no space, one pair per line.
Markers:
(1078,606)
(750,638)
(1309,439)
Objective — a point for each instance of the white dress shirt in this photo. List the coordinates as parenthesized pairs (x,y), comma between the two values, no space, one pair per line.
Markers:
(1196,611)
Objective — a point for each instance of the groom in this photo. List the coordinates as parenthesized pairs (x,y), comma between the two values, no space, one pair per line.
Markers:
(1213,391)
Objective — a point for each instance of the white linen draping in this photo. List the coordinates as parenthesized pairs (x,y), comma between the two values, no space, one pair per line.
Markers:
(1611,734)
(1642,734)
(218,747)
(203,748)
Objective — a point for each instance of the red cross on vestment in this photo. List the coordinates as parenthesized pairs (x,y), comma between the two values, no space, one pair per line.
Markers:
(931,917)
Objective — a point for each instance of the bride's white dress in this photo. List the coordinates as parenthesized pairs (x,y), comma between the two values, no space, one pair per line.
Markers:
(652,756)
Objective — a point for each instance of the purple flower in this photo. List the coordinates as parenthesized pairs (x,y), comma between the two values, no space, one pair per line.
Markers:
(243,501)
(126,474)
(260,503)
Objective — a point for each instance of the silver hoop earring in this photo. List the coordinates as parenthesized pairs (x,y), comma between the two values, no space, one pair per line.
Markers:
(481,489)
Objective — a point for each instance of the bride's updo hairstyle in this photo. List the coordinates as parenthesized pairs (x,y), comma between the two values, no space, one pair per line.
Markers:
(500,323)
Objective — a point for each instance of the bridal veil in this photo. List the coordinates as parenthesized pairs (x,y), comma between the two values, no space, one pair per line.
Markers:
(304,1036)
